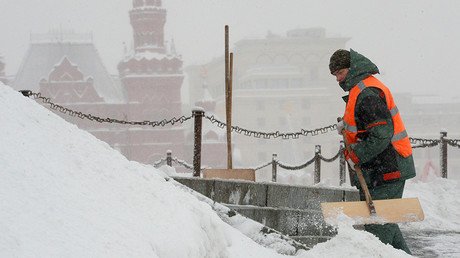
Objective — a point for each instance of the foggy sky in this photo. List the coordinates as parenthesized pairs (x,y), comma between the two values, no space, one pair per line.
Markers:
(415,43)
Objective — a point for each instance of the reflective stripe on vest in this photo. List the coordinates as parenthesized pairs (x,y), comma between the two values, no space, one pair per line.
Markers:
(400,139)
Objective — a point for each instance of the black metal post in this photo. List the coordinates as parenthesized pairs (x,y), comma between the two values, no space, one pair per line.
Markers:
(342,167)
(26,93)
(274,167)
(443,156)
(198,114)
(317,176)
(169,158)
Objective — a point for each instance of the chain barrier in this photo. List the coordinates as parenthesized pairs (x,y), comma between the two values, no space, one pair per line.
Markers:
(81,115)
(453,142)
(159,163)
(423,143)
(416,142)
(302,166)
(331,159)
(273,135)
(263,166)
(183,163)
(428,145)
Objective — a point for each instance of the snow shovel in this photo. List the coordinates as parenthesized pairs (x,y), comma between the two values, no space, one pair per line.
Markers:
(373,212)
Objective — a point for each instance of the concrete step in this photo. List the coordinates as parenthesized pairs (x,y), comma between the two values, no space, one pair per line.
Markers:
(292,222)
(267,194)
(292,210)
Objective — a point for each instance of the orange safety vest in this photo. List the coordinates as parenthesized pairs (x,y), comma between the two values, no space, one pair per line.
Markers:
(400,139)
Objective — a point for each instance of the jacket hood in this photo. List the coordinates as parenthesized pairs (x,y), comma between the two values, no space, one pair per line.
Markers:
(360,68)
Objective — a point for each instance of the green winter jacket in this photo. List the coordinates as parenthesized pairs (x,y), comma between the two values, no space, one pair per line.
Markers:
(374,150)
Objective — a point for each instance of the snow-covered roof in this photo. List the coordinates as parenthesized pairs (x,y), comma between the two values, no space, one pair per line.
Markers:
(149,55)
(41,58)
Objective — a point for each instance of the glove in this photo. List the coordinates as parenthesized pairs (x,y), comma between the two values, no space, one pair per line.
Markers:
(340,126)
(351,163)
(351,158)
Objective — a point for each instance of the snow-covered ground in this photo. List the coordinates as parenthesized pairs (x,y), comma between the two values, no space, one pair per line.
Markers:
(64,193)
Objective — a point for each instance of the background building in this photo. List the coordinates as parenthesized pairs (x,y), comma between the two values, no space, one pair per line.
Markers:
(280,83)
(66,67)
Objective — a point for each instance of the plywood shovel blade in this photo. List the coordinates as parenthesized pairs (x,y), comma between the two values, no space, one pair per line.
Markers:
(387,211)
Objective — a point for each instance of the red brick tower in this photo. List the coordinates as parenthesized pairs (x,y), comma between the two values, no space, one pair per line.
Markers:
(152,77)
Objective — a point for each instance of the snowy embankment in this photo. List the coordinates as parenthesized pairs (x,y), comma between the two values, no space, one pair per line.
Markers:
(64,193)
(440,200)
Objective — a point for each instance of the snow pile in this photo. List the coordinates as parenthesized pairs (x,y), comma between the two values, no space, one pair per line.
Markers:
(350,242)
(66,194)
(439,198)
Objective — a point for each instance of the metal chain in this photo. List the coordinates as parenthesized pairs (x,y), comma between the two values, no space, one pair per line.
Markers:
(453,142)
(423,141)
(81,115)
(331,159)
(273,135)
(428,145)
(183,163)
(302,166)
(263,166)
(159,162)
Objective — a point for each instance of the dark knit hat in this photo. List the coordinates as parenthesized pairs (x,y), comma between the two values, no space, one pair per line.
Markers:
(339,60)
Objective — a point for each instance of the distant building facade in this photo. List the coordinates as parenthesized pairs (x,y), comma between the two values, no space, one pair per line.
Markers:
(426,117)
(67,68)
(280,83)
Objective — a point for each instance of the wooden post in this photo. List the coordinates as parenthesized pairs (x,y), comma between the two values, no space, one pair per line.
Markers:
(274,167)
(228,97)
(169,158)
(443,154)
(342,167)
(317,176)
(198,116)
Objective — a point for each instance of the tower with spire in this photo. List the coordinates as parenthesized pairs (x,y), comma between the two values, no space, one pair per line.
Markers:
(150,72)
(151,75)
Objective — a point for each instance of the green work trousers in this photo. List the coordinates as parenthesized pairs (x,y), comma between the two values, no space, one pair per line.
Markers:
(387,233)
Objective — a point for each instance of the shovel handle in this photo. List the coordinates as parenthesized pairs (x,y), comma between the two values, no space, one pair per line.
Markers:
(362,182)
(367,195)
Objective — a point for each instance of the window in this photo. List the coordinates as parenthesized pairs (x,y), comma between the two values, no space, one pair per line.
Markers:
(260,84)
(314,74)
(296,83)
(305,104)
(283,83)
(273,84)
(260,105)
